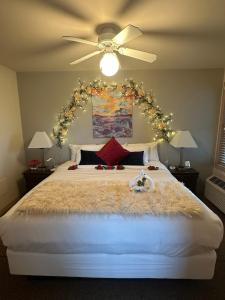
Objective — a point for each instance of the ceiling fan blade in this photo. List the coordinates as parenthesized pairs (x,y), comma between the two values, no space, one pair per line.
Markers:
(127,34)
(78,40)
(85,57)
(145,56)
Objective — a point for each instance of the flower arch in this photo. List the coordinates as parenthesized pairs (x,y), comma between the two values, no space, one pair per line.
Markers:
(130,89)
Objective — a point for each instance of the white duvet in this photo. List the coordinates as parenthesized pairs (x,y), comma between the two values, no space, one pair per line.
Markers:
(117,234)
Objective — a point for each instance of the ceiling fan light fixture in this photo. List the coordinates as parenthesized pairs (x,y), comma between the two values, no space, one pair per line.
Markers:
(109,64)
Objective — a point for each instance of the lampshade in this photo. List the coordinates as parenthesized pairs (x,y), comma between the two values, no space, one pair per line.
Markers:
(40,140)
(183,139)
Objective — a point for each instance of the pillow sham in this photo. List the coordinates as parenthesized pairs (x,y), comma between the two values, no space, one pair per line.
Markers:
(75,150)
(133,159)
(90,158)
(153,151)
(112,152)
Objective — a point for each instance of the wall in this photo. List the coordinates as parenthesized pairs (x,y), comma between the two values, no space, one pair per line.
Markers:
(12,158)
(192,95)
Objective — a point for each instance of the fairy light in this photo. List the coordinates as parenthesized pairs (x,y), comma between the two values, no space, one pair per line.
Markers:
(130,89)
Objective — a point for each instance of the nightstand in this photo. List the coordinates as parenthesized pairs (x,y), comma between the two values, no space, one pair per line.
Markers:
(188,176)
(33,177)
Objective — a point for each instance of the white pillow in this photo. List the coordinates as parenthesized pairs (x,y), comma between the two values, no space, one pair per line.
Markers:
(75,150)
(153,151)
(150,150)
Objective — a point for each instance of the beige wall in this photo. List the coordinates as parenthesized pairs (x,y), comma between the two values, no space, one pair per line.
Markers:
(11,140)
(192,95)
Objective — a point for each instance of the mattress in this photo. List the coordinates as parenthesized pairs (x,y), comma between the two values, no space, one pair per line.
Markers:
(111,234)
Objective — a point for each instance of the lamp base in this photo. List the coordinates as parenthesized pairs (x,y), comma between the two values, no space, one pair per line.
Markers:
(181,164)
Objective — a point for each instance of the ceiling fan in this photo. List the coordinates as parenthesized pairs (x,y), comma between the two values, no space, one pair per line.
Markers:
(108,43)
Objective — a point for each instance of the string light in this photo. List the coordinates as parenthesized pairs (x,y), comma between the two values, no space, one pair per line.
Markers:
(129,90)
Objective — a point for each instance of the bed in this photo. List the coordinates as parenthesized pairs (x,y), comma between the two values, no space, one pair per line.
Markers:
(111,245)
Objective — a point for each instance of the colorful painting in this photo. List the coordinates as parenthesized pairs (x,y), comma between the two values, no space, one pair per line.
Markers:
(112,115)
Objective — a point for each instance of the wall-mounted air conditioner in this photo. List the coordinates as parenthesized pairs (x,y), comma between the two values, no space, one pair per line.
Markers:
(215,191)
(215,184)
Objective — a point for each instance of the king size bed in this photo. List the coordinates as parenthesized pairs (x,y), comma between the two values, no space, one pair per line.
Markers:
(130,240)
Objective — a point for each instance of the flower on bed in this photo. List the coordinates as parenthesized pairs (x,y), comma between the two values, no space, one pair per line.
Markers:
(99,167)
(120,167)
(141,182)
(73,167)
(151,168)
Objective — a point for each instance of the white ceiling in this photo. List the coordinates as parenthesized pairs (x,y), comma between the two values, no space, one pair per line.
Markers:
(183,33)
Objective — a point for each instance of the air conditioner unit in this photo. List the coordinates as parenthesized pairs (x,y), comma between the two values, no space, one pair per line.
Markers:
(215,191)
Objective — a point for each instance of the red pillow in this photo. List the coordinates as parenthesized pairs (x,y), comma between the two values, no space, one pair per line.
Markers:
(112,152)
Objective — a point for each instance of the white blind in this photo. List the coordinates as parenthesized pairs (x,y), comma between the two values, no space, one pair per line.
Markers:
(221,143)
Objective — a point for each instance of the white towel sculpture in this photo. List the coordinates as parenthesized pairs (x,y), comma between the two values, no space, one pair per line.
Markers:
(142,183)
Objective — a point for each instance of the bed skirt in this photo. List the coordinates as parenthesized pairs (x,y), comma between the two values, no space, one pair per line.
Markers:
(112,266)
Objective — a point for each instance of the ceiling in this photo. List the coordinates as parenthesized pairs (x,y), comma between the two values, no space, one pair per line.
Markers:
(183,33)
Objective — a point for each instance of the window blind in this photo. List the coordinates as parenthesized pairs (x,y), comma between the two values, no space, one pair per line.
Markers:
(221,140)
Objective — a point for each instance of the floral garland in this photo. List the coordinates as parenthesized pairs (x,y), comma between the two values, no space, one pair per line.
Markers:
(130,89)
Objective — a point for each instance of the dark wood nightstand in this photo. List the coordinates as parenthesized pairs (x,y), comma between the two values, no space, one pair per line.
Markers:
(188,176)
(33,177)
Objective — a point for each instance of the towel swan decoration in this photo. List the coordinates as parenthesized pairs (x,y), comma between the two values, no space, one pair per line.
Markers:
(142,183)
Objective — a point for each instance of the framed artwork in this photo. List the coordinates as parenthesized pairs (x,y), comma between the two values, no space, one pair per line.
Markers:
(112,114)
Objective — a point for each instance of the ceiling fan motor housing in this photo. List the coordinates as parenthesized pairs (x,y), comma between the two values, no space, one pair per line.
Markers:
(105,37)
(107,45)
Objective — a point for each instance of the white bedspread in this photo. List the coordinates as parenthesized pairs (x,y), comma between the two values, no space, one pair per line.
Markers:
(168,235)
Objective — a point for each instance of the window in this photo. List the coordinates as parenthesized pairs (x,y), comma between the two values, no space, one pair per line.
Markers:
(220,157)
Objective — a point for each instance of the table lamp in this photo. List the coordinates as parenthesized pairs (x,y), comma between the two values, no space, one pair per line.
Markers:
(42,141)
(183,139)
